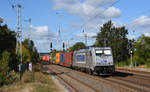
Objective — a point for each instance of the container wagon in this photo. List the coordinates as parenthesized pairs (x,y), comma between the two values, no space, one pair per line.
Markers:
(45,59)
(54,58)
(68,59)
(58,58)
(62,58)
(51,58)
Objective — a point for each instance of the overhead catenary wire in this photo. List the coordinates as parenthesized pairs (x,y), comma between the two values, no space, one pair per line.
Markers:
(12,6)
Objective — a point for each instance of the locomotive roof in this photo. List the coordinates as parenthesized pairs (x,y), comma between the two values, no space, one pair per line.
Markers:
(85,50)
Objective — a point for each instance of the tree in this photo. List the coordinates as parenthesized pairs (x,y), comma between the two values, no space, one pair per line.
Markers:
(7,39)
(77,46)
(142,47)
(114,37)
(4,61)
(8,43)
(32,51)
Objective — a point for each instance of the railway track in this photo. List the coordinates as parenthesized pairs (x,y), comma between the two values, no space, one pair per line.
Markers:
(70,85)
(124,84)
(75,88)
(137,76)
(142,73)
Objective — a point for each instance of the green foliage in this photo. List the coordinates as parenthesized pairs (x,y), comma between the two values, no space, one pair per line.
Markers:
(8,59)
(4,61)
(148,63)
(77,46)
(123,63)
(8,43)
(4,66)
(25,54)
(31,52)
(116,38)
(7,39)
(142,46)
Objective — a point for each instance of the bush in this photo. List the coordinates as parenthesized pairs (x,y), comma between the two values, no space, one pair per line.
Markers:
(123,63)
(148,63)
(4,68)
(8,62)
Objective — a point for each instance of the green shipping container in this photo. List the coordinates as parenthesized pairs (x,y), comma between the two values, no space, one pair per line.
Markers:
(54,58)
(50,58)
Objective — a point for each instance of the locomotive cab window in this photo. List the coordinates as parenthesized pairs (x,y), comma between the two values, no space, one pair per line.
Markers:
(99,52)
(107,52)
(103,52)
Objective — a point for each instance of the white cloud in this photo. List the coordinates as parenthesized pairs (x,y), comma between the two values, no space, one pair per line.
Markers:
(112,12)
(142,22)
(140,25)
(147,34)
(41,36)
(93,12)
(38,33)
(98,3)
(89,9)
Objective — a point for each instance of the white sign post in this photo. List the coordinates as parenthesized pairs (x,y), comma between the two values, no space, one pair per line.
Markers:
(30,67)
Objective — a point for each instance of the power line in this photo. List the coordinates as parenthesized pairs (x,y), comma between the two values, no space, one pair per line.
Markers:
(12,6)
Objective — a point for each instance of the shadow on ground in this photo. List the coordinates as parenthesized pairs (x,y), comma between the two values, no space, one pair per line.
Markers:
(54,73)
(117,74)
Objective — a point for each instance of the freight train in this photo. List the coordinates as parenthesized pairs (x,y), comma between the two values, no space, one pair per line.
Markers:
(93,60)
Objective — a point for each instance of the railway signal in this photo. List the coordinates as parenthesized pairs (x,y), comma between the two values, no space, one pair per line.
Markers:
(51,46)
(131,51)
(63,46)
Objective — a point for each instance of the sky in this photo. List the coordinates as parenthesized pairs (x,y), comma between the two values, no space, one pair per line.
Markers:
(60,21)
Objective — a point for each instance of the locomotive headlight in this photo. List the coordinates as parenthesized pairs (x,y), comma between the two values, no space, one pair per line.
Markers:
(111,63)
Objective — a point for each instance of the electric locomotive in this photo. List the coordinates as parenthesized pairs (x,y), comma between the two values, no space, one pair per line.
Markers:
(94,59)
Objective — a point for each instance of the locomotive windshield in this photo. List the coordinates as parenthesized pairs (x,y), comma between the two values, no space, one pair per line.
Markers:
(107,52)
(104,52)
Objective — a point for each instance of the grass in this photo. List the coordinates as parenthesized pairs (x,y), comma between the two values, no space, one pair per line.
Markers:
(148,64)
(34,81)
(122,63)
(127,64)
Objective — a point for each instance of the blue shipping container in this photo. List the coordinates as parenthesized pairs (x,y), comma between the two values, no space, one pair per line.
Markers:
(62,57)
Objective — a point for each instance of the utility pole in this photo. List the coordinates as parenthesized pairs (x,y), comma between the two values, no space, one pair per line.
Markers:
(29,21)
(85,36)
(59,38)
(85,39)
(19,35)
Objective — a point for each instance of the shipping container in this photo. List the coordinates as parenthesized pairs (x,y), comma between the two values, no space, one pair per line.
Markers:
(62,58)
(51,61)
(58,57)
(47,58)
(50,58)
(43,58)
(68,59)
(54,58)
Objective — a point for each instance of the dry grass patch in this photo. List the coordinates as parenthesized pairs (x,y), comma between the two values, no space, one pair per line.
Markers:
(34,81)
